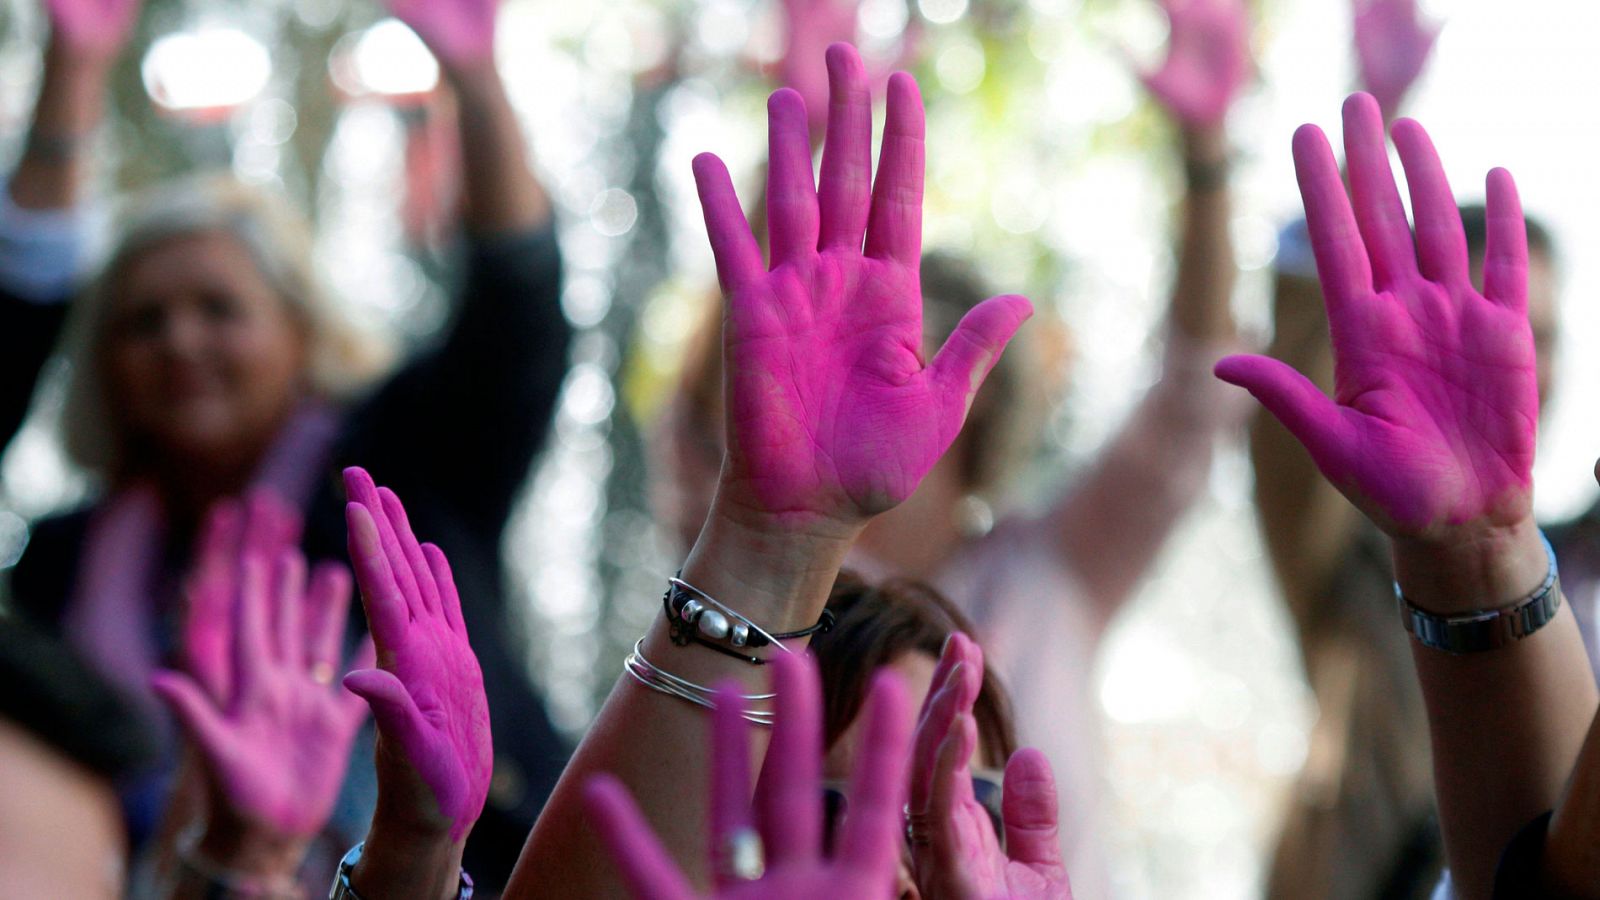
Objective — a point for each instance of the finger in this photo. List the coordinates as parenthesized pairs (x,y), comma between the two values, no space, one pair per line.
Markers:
(270,523)
(449,598)
(952,787)
(931,734)
(871,833)
(1380,216)
(386,609)
(218,550)
(410,550)
(327,613)
(365,657)
(730,771)
(199,717)
(1313,419)
(845,192)
(1029,809)
(791,194)
(395,712)
(972,351)
(1441,241)
(252,629)
(894,229)
(791,796)
(288,612)
(734,247)
(361,489)
(949,655)
(643,863)
(1342,264)
(1505,249)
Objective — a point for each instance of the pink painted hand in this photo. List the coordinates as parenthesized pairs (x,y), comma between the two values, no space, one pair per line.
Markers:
(277,747)
(97,28)
(460,33)
(962,858)
(263,526)
(427,694)
(809,28)
(1393,42)
(1431,429)
(1208,60)
(790,825)
(833,416)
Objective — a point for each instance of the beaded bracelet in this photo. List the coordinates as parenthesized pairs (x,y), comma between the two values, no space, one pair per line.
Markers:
(693,616)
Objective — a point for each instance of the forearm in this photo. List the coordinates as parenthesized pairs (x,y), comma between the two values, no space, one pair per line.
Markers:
(500,189)
(655,743)
(1202,292)
(55,158)
(247,862)
(1507,724)
(397,861)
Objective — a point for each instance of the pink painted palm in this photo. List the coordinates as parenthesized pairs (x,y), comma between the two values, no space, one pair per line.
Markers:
(458,32)
(1208,60)
(833,414)
(96,27)
(1434,415)
(963,859)
(427,693)
(277,747)
(789,819)
(1393,43)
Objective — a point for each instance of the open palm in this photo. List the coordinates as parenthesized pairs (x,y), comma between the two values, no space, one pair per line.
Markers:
(1435,411)
(427,694)
(459,32)
(278,745)
(833,414)
(1393,42)
(1208,59)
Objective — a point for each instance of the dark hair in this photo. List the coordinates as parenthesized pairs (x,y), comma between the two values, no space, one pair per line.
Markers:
(877,624)
(1475,221)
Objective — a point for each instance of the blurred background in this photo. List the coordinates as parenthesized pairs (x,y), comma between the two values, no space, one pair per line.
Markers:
(1047,166)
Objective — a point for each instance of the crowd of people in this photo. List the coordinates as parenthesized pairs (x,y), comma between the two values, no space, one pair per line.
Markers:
(241,672)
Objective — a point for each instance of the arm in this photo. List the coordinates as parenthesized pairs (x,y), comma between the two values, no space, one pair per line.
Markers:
(1431,435)
(1115,520)
(491,387)
(832,418)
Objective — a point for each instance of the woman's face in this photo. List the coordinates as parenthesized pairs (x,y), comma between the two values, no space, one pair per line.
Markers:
(204,360)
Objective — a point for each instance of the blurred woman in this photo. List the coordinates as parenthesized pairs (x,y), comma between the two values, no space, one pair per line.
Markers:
(204,361)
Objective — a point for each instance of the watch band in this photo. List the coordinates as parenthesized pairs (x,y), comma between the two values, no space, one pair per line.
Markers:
(1487,629)
(341,889)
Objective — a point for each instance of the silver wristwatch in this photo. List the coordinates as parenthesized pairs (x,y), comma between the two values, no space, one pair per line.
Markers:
(342,890)
(1487,629)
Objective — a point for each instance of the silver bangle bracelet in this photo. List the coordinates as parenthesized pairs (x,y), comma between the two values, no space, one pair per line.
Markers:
(1486,629)
(662,681)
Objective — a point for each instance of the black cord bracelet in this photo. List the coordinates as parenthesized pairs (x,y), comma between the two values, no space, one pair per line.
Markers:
(687,624)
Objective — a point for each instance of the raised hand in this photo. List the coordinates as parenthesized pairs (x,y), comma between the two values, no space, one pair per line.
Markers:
(459,32)
(277,745)
(262,526)
(960,856)
(1432,425)
(1393,42)
(790,820)
(427,693)
(96,28)
(833,416)
(1208,60)
(809,28)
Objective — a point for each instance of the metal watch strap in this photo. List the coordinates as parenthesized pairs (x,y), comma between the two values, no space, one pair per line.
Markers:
(1488,629)
(342,890)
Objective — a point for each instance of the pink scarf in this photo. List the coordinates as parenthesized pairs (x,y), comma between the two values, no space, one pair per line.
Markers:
(112,613)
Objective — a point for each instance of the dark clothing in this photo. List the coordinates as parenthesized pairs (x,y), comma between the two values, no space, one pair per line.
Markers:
(453,434)
(27,335)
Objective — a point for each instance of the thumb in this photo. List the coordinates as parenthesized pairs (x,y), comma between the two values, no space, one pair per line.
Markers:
(393,710)
(1301,406)
(199,717)
(1028,808)
(972,350)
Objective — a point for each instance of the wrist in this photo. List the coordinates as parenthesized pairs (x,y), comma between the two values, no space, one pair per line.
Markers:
(778,574)
(259,854)
(475,82)
(402,859)
(1488,569)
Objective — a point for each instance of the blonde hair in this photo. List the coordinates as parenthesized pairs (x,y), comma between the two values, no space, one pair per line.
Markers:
(341,358)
